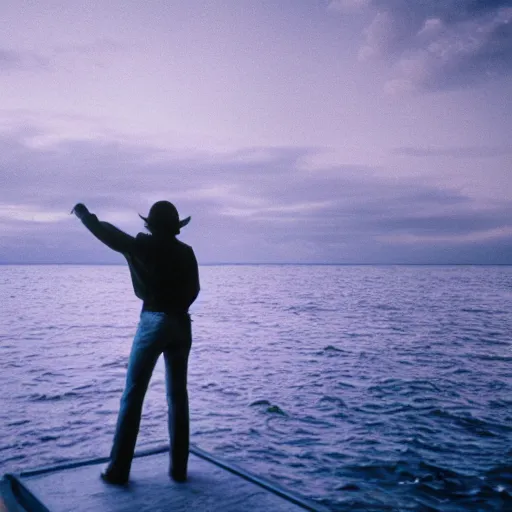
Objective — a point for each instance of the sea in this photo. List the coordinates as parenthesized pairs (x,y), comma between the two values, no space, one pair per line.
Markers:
(368,388)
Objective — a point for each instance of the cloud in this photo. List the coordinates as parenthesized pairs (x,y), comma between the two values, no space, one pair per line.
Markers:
(433,45)
(256,204)
(62,56)
(456,152)
(484,235)
(347,6)
(270,212)
(22,212)
(451,223)
(99,53)
(97,46)
(11,60)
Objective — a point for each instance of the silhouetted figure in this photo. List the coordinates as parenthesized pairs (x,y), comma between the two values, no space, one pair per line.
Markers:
(165,277)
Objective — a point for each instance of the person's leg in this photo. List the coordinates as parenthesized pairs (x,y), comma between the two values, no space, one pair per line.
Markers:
(145,351)
(176,365)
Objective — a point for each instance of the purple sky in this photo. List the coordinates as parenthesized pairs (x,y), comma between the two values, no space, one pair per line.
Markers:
(348,131)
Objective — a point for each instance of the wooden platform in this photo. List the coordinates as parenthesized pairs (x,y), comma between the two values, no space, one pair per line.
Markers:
(213,485)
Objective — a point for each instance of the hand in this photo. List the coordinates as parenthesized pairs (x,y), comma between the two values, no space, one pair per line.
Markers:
(80,210)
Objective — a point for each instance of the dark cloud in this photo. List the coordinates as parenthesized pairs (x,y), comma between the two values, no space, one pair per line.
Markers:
(434,44)
(456,152)
(258,204)
(449,223)
(11,60)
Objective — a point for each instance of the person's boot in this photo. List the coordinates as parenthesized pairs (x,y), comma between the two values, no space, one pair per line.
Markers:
(111,477)
(178,476)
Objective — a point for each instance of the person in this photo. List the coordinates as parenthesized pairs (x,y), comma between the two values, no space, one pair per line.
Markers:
(165,277)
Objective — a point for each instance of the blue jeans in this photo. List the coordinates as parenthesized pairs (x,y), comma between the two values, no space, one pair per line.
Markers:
(157,333)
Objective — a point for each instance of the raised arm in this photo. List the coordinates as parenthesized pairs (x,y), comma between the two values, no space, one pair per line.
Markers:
(111,236)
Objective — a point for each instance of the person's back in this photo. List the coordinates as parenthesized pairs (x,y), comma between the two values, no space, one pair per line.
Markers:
(165,277)
(164,273)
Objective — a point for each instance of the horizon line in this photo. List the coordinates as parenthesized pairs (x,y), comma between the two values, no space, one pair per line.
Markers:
(219,264)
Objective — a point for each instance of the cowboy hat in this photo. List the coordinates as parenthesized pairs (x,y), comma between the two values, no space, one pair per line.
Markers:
(163,215)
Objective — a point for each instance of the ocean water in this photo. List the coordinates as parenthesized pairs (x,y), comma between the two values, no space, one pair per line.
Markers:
(360,387)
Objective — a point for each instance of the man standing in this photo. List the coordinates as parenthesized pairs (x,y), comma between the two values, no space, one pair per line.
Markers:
(165,277)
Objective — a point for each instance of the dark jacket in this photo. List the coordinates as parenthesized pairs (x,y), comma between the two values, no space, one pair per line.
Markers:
(164,270)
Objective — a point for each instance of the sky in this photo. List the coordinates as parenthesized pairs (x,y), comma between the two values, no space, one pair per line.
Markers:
(306,131)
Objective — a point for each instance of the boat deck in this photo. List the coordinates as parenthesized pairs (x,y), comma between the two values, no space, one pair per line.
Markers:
(213,485)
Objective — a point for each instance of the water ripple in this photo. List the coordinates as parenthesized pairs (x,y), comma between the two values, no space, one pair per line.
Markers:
(364,388)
